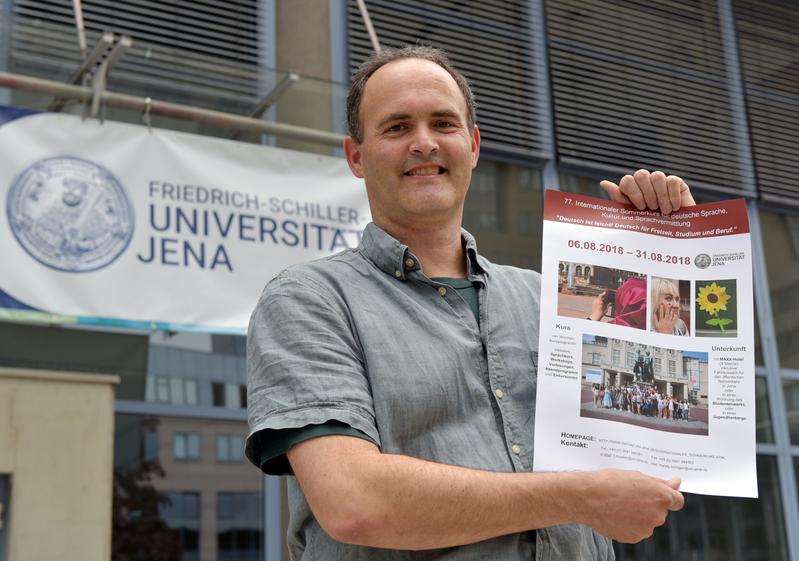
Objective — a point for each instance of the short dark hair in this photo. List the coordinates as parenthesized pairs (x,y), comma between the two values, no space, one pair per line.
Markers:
(378,60)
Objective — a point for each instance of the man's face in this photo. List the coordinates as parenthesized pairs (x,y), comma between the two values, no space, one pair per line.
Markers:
(417,152)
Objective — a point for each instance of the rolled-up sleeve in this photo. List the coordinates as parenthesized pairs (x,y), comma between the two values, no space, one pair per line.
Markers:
(304,363)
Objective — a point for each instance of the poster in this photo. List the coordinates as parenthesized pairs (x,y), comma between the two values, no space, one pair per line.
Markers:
(646,353)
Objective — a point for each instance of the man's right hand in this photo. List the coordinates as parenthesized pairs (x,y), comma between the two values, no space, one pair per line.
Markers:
(627,506)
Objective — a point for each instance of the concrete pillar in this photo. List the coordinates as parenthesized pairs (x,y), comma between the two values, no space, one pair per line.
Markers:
(57,444)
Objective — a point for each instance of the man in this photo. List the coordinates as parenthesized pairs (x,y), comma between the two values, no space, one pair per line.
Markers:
(396,381)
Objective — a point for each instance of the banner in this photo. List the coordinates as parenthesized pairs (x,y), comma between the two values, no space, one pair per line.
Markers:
(116,224)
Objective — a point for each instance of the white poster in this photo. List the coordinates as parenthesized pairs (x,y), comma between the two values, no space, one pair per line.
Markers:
(114,224)
(647,343)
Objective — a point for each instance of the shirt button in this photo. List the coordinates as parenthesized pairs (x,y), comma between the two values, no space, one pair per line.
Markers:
(442,291)
(516,449)
(398,274)
(409,263)
(499,393)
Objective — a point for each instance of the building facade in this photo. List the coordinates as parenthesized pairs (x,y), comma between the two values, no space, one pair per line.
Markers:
(569,92)
(674,373)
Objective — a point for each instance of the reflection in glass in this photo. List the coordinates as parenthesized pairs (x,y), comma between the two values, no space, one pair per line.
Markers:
(182,513)
(584,185)
(5,512)
(781,248)
(758,348)
(504,211)
(166,509)
(791,392)
(763,427)
(229,448)
(239,526)
(720,528)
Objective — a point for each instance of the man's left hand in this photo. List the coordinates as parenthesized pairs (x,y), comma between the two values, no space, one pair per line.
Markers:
(655,191)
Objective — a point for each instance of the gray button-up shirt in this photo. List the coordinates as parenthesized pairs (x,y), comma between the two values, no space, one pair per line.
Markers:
(365,338)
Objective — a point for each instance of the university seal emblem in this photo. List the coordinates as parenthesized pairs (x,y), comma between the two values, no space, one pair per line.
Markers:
(70,214)
(702,260)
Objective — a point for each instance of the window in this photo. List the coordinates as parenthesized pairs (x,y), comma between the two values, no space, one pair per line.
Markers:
(528,223)
(233,396)
(229,448)
(150,445)
(182,513)
(630,359)
(616,357)
(5,491)
(672,368)
(218,391)
(238,523)
(782,264)
(720,528)
(162,389)
(658,367)
(190,391)
(171,389)
(186,446)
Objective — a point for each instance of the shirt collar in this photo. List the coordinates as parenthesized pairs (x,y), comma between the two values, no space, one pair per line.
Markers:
(394,258)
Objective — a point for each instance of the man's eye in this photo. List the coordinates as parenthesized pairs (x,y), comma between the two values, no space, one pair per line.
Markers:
(445,124)
(395,128)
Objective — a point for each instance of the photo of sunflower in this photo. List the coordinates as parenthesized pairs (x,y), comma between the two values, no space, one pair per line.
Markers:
(712,298)
(716,310)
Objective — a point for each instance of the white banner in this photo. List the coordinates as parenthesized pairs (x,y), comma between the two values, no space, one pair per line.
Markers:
(115,224)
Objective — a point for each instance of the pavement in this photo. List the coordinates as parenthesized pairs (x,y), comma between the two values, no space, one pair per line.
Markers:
(575,306)
(697,424)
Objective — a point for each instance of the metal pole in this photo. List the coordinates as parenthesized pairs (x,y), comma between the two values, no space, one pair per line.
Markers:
(139,104)
(79,27)
(367,21)
(273,528)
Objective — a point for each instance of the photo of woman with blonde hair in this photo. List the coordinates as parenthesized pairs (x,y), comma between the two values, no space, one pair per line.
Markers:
(666,308)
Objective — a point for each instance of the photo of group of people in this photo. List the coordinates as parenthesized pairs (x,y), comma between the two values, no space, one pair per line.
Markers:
(642,400)
(657,304)
(643,385)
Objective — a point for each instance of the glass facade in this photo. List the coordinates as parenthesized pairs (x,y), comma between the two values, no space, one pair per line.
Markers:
(504,211)
(205,504)
(721,528)
(179,473)
(5,502)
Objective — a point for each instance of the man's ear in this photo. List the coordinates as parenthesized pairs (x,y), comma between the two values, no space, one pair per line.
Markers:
(475,146)
(352,152)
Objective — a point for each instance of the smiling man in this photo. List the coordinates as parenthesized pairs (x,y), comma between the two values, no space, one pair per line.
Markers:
(396,381)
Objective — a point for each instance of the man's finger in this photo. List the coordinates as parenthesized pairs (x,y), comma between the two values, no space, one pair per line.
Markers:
(677,501)
(674,483)
(674,186)
(645,186)
(629,188)
(658,180)
(614,192)
(686,198)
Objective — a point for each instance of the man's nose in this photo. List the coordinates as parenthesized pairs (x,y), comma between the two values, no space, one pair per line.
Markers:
(424,141)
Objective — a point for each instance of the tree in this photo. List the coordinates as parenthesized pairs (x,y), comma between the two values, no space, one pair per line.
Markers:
(139,533)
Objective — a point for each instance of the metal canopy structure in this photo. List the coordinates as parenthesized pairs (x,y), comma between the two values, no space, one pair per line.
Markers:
(97,96)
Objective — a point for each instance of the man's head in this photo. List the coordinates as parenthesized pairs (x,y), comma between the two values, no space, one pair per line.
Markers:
(414,142)
(378,60)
